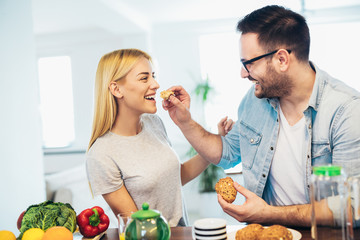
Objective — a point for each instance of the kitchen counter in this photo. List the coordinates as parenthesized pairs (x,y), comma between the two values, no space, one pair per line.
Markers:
(184,233)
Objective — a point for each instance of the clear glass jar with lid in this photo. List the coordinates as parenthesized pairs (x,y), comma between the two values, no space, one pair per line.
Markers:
(330,203)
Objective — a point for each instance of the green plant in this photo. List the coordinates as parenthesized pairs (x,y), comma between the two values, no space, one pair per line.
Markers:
(212,173)
(203,88)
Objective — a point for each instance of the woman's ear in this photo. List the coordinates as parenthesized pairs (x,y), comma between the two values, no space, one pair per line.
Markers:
(115,90)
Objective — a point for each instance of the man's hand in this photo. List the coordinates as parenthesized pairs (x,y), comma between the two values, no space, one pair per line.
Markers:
(178,106)
(253,210)
(208,145)
(256,210)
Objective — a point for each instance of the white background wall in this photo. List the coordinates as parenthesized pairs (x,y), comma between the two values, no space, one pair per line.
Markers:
(21,170)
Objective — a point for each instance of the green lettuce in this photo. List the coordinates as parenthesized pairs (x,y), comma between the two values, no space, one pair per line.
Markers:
(48,214)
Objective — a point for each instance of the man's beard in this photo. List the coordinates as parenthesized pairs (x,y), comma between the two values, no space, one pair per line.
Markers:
(275,85)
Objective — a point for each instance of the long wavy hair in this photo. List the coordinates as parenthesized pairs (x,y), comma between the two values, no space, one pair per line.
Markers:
(113,66)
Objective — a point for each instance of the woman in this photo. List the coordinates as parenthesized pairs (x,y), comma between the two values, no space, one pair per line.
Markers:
(130,159)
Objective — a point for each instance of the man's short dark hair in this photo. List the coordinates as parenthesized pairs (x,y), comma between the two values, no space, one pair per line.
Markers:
(278,27)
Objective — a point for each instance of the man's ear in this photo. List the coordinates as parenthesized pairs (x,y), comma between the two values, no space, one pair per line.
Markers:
(115,90)
(283,59)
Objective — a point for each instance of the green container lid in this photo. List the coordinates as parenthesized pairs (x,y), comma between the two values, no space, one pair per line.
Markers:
(145,213)
(328,170)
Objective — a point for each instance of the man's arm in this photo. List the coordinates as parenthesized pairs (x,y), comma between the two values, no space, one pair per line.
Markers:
(208,145)
(256,210)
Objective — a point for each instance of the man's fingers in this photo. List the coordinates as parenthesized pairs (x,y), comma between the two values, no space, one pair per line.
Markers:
(174,100)
(231,209)
(243,191)
(165,104)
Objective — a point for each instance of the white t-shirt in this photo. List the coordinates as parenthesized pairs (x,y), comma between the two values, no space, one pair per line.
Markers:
(286,182)
(145,163)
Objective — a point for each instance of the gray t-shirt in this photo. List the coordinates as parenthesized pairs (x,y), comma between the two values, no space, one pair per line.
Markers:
(145,164)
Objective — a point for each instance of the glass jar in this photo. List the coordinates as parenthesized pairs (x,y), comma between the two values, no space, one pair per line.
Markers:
(330,203)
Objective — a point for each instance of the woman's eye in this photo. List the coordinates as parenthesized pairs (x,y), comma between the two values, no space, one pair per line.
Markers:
(144,79)
(154,76)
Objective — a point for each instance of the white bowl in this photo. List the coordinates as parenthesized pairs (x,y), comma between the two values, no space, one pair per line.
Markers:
(210,224)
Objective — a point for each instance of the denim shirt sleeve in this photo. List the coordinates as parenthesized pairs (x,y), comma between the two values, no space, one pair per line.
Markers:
(346,137)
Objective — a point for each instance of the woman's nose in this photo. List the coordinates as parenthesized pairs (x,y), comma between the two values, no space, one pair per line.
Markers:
(155,84)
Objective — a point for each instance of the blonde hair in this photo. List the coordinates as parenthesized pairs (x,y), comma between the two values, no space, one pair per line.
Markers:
(113,66)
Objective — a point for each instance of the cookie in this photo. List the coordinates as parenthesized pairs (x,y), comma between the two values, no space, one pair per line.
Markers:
(225,187)
(250,232)
(166,94)
(275,232)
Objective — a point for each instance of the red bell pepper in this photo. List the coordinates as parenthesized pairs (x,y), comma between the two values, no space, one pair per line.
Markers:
(92,221)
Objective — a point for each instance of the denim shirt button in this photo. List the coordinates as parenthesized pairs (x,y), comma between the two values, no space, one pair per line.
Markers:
(252,140)
(310,126)
(271,148)
(264,175)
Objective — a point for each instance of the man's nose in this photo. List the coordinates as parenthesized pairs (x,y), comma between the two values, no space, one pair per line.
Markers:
(244,73)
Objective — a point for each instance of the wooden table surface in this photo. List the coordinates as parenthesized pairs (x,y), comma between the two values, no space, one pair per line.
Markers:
(184,233)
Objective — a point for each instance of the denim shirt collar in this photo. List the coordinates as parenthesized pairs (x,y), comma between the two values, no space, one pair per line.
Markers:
(319,84)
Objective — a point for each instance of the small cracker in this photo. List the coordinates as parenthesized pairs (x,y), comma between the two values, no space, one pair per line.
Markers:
(166,94)
(225,187)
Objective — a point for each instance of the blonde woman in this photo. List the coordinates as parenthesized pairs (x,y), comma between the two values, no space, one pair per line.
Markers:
(130,159)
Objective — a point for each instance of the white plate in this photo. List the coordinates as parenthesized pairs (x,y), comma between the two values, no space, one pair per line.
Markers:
(210,223)
(231,234)
(210,238)
(210,232)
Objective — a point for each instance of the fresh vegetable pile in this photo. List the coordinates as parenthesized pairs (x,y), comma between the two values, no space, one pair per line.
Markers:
(48,214)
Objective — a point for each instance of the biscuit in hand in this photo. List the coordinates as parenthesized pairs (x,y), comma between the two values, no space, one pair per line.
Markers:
(225,187)
(166,94)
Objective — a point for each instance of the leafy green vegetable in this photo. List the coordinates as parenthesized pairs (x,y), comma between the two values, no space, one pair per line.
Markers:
(48,214)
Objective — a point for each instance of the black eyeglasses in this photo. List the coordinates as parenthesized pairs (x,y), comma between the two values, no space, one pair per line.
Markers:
(259,57)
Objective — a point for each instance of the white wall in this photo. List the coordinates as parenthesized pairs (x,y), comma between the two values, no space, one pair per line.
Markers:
(21,177)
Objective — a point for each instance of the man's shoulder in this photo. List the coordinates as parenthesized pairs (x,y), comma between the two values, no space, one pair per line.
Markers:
(333,86)
(331,92)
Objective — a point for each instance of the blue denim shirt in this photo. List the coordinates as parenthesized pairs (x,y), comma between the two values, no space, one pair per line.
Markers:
(333,132)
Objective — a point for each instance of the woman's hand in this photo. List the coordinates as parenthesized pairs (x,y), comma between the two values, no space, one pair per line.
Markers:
(225,125)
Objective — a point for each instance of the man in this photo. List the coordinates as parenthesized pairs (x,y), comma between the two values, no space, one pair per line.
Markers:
(294,117)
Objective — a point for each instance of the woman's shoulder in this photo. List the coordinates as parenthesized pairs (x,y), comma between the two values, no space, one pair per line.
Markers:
(100,146)
(151,119)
